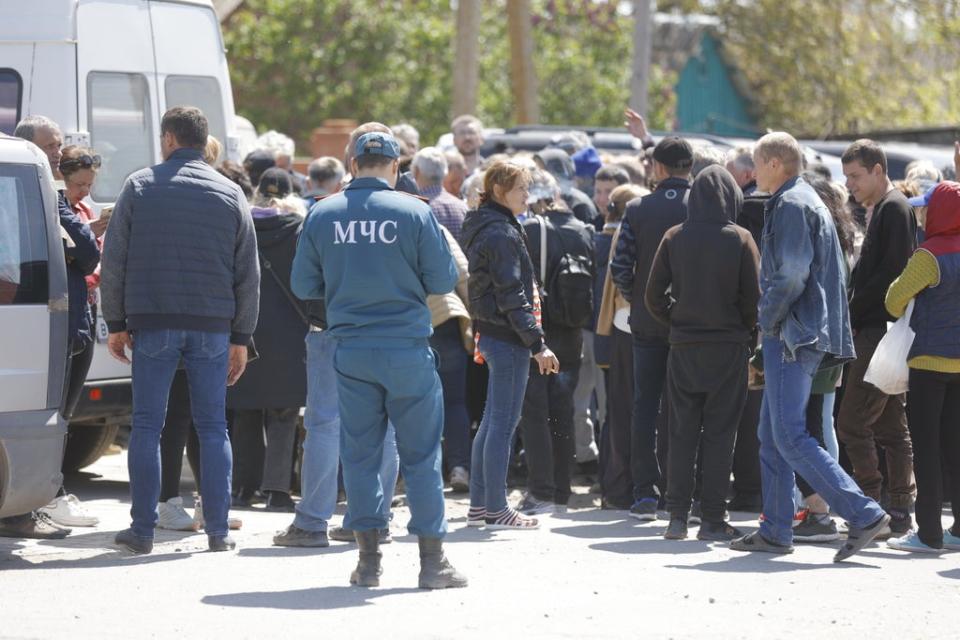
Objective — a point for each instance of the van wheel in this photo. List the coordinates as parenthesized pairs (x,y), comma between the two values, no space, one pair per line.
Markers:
(86,443)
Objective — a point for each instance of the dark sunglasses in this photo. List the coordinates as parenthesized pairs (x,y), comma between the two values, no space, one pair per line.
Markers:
(83,162)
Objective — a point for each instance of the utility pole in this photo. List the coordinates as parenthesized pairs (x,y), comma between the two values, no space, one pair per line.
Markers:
(642,45)
(466,66)
(526,109)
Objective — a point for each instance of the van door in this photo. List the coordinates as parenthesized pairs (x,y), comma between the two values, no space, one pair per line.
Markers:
(192,65)
(117,90)
(33,337)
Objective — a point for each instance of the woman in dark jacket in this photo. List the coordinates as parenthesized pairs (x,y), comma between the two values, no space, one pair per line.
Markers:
(504,305)
(274,387)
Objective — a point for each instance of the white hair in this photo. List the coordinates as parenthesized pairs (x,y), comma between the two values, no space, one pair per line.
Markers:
(471,188)
(28,127)
(741,157)
(407,133)
(276,143)
(704,157)
(431,164)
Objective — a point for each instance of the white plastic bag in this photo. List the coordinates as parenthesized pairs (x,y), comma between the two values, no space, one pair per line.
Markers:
(888,370)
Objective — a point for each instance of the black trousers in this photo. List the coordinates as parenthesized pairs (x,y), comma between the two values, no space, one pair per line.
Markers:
(933,409)
(616,481)
(746,455)
(178,432)
(815,427)
(546,423)
(79,366)
(707,386)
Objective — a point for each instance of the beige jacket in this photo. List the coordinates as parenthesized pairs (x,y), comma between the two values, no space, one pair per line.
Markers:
(612,300)
(454,304)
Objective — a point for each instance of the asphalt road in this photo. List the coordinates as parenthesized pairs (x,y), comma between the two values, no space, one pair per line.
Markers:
(585,574)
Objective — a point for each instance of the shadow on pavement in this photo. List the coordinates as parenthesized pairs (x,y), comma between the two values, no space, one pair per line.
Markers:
(953,574)
(294,552)
(594,514)
(104,561)
(652,546)
(769,563)
(615,529)
(318,599)
(104,539)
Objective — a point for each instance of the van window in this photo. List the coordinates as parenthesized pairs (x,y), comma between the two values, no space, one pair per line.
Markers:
(23,238)
(203,93)
(118,105)
(11,93)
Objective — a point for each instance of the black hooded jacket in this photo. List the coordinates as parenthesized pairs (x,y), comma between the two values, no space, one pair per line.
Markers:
(705,279)
(277,379)
(501,277)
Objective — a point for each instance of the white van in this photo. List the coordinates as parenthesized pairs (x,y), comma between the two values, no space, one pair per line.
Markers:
(105,71)
(33,330)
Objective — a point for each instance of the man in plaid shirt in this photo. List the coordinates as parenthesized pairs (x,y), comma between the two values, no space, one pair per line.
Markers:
(429,167)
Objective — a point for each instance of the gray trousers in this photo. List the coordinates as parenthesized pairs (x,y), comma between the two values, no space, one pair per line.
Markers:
(585,418)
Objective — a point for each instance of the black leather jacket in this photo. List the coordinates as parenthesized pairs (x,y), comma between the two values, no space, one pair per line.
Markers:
(501,277)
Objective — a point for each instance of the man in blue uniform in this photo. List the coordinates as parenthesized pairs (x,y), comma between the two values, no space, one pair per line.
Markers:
(374,254)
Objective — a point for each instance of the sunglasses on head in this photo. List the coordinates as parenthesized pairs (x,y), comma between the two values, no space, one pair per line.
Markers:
(83,162)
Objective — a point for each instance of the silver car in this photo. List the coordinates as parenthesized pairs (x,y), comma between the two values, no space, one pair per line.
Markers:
(33,330)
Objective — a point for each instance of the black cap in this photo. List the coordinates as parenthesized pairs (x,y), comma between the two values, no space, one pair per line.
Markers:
(275,183)
(257,162)
(674,153)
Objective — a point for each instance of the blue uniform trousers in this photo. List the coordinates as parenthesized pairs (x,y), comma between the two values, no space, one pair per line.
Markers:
(395,378)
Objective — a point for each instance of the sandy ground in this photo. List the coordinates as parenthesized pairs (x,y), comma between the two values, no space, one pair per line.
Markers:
(585,574)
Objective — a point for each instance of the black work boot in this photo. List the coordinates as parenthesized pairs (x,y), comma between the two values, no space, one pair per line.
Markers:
(436,572)
(367,573)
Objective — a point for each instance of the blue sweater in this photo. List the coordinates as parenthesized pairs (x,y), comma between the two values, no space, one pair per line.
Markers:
(374,255)
(181,252)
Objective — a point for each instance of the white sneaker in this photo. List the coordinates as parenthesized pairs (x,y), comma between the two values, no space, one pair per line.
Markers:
(459,480)
(174,517)
(69,512)
(198,522)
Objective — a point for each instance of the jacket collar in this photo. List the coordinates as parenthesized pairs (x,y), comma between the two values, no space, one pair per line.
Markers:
(185,154)
(673,183)
(499,208)
(376,184)
(789,184)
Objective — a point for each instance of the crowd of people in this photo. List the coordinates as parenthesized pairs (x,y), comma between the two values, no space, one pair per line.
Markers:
(664,320)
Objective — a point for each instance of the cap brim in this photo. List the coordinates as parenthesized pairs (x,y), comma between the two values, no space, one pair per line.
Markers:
(922,200)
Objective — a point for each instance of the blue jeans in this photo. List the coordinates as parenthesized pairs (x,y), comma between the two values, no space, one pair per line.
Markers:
(377,378)
(649,377)
(509,366)
(321,447)
(448,344)
(787,447)
(156,355)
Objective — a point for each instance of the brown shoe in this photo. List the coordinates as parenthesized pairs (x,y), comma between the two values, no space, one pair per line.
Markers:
(34,525)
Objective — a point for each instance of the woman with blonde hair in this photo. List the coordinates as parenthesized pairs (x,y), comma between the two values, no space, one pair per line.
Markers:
(504,306)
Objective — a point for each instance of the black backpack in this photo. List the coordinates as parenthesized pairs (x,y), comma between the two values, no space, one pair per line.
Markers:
(568,296)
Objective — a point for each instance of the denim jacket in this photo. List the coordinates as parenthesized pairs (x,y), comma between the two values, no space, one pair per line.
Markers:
(802,275)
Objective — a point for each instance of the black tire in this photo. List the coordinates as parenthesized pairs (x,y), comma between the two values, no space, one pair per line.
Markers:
(86,443)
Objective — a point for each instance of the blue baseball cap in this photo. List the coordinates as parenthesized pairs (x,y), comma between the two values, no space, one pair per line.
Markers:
(924,200)
(377,143)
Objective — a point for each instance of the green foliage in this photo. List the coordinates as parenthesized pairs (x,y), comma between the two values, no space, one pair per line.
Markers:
(295,63)
(823,67)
